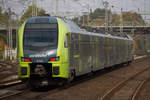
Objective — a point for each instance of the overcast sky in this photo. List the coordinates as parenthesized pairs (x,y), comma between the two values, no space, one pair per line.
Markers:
(76,7)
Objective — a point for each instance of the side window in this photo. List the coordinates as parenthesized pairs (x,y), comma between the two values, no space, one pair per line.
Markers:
(66,41)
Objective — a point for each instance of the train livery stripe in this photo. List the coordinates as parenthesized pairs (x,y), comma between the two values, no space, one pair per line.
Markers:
(21,54)
(21,31)
(76,56)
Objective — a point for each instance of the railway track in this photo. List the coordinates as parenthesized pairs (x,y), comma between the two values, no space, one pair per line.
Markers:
(15,89)
(8,72)
(9,83)
(4,66)
(9,94)
(27,94)
(130,88)
(30,94)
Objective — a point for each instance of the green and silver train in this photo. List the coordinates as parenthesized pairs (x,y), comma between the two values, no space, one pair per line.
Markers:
(51,50)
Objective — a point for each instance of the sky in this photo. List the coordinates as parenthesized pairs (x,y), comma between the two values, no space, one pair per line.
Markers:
(78,7)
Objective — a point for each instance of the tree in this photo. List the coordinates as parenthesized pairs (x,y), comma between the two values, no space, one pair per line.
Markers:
(98,13)
(3,38)
(116,19)
(3,17)
(28,13)
(97,18)
(133,18)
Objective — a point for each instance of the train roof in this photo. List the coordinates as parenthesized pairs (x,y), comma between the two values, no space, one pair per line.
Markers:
(42,19)
(74,28)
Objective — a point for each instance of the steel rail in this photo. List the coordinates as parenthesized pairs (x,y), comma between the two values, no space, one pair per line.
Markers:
(139,89)
(10,83)
(13,94)
(120,85)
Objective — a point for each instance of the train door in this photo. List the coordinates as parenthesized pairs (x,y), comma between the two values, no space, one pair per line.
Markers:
(97,54)
(105,51)
(93,52)
(101,52)
(111,51)
(85,53)
(117,51)
(74,53)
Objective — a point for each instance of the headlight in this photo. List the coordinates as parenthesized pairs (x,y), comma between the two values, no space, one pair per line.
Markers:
(54,59)
(25,59)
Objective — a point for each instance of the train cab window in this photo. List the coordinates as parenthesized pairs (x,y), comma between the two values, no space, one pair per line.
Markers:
(66,41)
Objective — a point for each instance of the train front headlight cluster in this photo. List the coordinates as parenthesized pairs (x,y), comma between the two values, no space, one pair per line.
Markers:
(56,70)
(23,59)
(54,59)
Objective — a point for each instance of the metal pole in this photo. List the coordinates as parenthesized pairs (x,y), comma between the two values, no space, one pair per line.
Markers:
(56,7)
(78,20)
(111,28)
(83,20)
(7,40)
(9,34)
(106,16)
(121,22)
(9,30)
(34,8)
(88,15)
(17,25)
(10,38)
(3,4)
(144,12)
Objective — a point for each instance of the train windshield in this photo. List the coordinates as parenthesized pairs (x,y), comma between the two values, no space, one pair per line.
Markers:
(40,36)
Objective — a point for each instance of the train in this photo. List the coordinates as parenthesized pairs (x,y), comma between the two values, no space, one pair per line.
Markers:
(52,50)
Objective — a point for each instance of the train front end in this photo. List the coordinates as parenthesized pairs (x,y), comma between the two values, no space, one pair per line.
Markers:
(43,60)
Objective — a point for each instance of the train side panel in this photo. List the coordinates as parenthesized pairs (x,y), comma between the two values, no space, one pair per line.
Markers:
(91,53)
